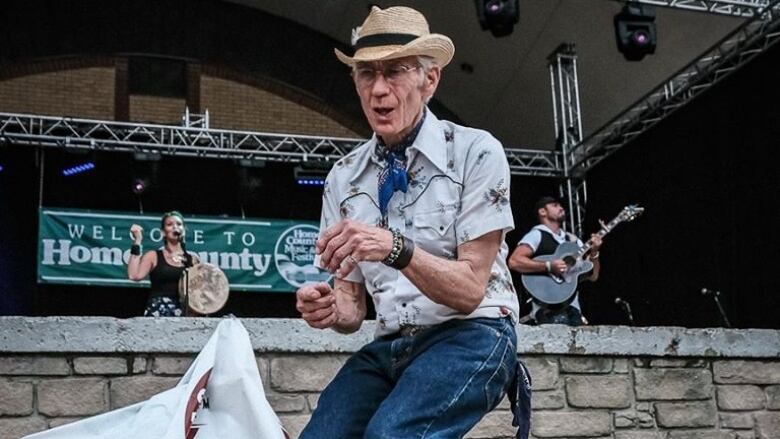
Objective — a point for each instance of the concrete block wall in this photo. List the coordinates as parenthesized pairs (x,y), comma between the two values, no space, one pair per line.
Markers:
(718,384)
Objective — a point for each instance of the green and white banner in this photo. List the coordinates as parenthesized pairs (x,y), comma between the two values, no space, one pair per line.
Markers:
(92,247)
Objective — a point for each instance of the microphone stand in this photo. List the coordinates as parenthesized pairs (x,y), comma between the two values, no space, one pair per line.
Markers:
(187,265)
(626,308)
(716,298)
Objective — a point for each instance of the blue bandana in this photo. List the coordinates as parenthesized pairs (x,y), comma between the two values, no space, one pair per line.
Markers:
(393,177)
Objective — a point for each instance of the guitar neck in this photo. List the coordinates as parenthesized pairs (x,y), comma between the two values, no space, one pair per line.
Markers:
(606,228)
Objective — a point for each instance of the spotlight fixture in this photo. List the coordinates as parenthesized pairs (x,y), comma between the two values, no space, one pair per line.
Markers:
(312,173)
(311,182)
(147,156)
(78,169)
(498,16)
(635,31)
(139,185)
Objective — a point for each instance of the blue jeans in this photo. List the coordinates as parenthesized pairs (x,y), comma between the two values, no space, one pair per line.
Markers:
(436,384)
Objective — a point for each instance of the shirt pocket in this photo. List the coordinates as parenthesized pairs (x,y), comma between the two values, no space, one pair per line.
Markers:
(435,232)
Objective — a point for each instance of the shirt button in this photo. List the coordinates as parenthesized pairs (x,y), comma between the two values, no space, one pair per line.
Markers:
(441,228)
(404,304)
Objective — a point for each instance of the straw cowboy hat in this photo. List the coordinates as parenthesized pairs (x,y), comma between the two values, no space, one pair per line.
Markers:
(396,32)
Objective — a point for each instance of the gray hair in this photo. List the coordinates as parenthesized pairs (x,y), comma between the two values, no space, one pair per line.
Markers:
(426,63)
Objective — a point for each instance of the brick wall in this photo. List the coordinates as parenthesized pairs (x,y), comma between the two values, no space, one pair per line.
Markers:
(73,88)
(729,390)
(61,93)
(154,109)
(238,106)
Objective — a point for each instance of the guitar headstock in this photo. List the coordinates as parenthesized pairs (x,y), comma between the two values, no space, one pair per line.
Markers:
(630,212)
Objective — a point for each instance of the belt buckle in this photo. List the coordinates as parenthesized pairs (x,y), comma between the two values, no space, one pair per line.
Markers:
(412,330)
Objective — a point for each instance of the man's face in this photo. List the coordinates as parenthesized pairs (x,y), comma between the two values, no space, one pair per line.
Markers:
(553,212)
(393,99)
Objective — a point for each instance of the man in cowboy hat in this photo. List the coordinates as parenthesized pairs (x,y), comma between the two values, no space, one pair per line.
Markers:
(415,217)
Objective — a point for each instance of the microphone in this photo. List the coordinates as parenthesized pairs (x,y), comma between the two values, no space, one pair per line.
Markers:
(187,256)
(715,294)
(626,307)
(708,292)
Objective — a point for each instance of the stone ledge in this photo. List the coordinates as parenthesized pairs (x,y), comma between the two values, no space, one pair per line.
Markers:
(188,335)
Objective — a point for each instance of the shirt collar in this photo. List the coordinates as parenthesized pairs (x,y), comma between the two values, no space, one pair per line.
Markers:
(542,227)
(430,141)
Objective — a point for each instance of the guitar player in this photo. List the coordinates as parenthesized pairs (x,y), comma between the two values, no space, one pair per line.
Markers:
(543,239)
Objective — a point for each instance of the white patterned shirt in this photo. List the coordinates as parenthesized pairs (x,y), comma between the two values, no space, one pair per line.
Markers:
(458,191)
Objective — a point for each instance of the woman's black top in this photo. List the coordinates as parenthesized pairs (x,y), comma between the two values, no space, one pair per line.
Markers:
(165,278)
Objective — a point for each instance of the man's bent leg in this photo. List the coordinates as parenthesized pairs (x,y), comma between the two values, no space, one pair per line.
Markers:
(350,400)
(457,373)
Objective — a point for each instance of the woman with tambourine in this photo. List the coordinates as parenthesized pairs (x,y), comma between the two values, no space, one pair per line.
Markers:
(164,266)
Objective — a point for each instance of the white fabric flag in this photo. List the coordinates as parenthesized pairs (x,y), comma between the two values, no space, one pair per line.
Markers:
(220,396)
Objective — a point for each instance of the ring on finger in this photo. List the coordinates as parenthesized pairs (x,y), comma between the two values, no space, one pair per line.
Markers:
(352,259)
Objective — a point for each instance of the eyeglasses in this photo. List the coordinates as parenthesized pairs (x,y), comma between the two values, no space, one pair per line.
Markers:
(393,73)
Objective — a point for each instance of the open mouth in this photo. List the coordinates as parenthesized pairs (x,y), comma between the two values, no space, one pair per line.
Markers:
(383,111)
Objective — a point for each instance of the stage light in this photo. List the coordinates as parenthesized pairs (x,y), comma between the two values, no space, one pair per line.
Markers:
(147,156)
(635,31)
(73,170)
(312,173)
(139,186)
(1,168)
(498,16)
(311,181)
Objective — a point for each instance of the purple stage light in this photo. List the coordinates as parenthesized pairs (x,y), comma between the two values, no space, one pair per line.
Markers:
(139,186)
(640,38)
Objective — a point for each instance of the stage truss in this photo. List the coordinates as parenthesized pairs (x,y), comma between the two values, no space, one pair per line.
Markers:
(102,135)
(570,160)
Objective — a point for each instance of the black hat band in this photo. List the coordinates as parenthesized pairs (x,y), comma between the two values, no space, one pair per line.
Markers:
(384,40)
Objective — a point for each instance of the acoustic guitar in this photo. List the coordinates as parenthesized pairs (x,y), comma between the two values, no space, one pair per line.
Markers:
(553,288)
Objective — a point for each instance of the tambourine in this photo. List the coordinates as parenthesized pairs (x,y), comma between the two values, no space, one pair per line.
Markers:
(207,287)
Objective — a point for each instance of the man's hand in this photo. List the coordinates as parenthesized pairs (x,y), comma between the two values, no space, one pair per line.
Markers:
(348,242)
(137,232)
(595,243)
(558,266)
(595,239)
(317,305)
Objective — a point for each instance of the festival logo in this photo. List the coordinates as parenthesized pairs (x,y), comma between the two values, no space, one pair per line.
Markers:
(196,413)
(294,256)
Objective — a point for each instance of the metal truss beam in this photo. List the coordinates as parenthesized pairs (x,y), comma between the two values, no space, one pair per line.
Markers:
(754,37)
(25,129)
(534,162)
(567,122)
(735,8)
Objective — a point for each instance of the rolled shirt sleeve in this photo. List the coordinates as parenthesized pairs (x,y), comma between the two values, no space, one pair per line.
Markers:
(532,239)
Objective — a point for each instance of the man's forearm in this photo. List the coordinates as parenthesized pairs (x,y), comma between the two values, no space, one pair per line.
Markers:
(594,275)
(527,265)
(450,283)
